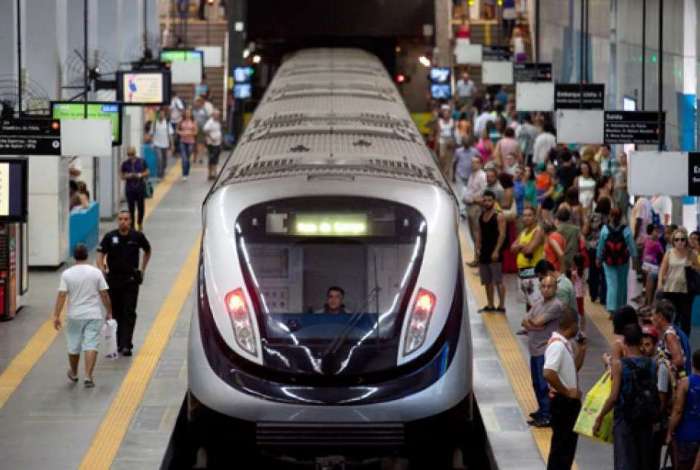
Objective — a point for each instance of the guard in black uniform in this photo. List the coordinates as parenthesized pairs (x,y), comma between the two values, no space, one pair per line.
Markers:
(121,248)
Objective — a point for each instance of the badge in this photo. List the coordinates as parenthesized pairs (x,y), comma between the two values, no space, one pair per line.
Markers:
(115,240)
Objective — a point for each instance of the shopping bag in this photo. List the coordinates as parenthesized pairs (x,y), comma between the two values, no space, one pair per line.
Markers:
(109,333)
(592,405)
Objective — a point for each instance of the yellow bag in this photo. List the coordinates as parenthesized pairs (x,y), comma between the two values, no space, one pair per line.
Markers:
(592,405)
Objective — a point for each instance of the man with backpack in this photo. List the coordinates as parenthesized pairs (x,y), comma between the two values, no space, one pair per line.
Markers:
(615,247)
(635,399)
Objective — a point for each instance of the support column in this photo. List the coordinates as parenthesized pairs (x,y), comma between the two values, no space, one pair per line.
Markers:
(443,33)
(687,102)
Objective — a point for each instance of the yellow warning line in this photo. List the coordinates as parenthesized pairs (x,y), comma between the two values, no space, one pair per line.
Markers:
(39,343)
(108,439)
(508,349)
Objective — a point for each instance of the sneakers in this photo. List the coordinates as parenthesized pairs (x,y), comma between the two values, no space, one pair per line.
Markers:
(540,422)
(126,352)
(184,178)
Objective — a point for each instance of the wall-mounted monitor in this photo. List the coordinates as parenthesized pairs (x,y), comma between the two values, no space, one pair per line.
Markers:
(440,91)
(13,190)
(242,91)
(144,87)
(186,65)
(243,74)
(440,75)
(66,110)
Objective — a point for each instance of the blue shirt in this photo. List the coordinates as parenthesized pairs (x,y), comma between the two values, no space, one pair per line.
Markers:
(689,428)
(627,233)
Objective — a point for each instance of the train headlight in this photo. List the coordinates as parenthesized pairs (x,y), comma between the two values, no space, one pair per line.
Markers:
(422,310)
(239,314)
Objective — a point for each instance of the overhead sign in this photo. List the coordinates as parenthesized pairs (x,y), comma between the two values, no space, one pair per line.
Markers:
(532,72)
(87,137)
(13,190)
(693,174)
(496,53)
(30,137)
(579,96)
(467,53)
(95,110)
(579,126)
(534,96)
(653,172)
(633,127)
(495,72)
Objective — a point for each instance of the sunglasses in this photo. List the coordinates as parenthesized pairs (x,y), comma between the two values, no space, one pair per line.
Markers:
(680,239)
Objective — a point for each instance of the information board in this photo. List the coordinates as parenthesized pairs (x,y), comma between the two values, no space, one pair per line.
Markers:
(532,72)
(496,73)
(496,53)
(579,96)
(633,127)
(579,126)
(111,111)
(466,53)
(534,96)
(13,190)
(30,137)
(693,174)
(144,87)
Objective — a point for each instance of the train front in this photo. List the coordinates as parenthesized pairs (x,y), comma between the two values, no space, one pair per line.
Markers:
(332,322)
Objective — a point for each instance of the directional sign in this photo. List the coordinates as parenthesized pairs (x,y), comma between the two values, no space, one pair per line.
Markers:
(494,53)
(693,174)
(633,127)
(532,72)
(579,96)
(30,137)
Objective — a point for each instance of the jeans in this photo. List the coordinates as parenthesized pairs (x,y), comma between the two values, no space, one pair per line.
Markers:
(632,446)
(539,385)
(162,157)
(616,280)
(135,200)
(564,439)
(185,153)
(124,296)
(596,278)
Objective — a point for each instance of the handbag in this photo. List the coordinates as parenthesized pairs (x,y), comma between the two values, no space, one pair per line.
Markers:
(692,279)
(592,406)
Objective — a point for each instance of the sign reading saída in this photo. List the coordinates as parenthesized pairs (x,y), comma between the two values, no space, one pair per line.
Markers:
(633,127)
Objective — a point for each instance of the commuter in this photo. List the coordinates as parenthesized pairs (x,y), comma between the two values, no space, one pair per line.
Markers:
(672,277)
(544,143)
(508,16)
(517,44)
(445,136)
(476,184)
(578,279)
(162,135)
(187,130)
(662,207)
(465,90)
(212,131)
(485,144)
(508,145)
(134,173)
(529,248)
(572,236)
(118,257)
(539,323)
(554,246)
(604,190)
(562,360)
(615,247)
(494,185)
(565,288)
(334,300)
(201,116)
(86,290)
(608,165)
(177,111)
(483,118)
(585,184)
(684,425)
(620,194)
(526,135)
(489,244)
(673,344)
(593,224)
(653,254)
(464,155)
(464,30)
(572,204)
(635,398)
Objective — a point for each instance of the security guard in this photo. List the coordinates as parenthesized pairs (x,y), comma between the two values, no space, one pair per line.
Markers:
(121,249)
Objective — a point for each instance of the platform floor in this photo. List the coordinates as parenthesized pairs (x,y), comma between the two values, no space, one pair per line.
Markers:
(126,420)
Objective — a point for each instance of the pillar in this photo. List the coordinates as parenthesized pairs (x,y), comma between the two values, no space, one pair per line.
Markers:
(443,33)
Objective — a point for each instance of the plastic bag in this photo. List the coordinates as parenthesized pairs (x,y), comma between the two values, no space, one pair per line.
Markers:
(109,333)
(592,405)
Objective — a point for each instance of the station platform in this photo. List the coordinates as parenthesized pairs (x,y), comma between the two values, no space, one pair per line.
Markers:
(127,420)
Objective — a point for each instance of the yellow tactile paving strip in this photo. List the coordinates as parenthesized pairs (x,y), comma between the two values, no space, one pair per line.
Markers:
(39,343)
(112,430)
(512,360)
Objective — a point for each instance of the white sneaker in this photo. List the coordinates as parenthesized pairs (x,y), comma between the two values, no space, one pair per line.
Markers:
(184,178)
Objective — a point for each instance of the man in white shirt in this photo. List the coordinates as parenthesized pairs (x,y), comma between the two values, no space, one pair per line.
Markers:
(663,207)
(464,155)
(161,134)
(544,142)
(213,136)
(562,361)
(483,118)
(476,185)
(465,90)
(86,290)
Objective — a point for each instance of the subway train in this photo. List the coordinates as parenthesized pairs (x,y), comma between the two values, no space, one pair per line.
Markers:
(331,323)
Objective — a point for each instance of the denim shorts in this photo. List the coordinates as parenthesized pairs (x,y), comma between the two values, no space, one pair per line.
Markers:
(83,335)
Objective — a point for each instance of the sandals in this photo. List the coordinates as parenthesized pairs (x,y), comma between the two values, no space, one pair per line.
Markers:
(89,383)
(71,377)
(500,309)
(486,309)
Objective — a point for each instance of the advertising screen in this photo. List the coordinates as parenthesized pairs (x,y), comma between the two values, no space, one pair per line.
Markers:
(95,110)
(143,87)
(440,92)
(440,75)
(242,74)
(13,190)
(242,91)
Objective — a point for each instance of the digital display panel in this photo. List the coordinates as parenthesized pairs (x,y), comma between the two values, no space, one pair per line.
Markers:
(143,87)
(243,74)
(95,110)
(242,91)
(13,190)
(319,224)
(172,55)
(440,75)
(440,92)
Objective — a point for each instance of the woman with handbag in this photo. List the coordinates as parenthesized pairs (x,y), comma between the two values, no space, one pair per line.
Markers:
(673,278)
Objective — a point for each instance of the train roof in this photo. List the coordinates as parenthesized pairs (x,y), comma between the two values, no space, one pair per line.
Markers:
(331,111)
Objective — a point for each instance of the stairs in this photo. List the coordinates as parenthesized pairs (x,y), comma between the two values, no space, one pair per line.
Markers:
(197,35)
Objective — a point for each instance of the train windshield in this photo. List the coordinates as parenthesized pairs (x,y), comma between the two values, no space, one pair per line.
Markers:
(330,280)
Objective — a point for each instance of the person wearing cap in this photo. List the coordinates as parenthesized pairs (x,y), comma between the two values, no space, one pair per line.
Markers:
(134,173)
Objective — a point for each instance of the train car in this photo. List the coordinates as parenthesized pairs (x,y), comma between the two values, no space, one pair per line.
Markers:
(331,322)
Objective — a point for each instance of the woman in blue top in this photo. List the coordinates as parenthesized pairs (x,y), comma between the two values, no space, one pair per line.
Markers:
(684,426)
(615,247)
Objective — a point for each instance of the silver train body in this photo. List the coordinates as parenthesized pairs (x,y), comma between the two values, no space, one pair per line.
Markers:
(330,185)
